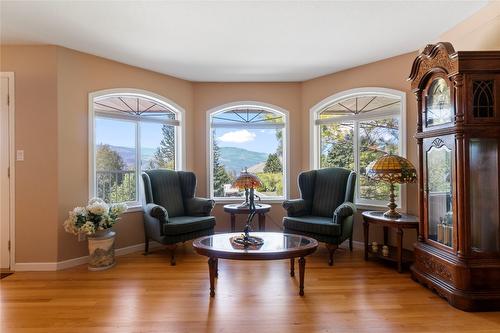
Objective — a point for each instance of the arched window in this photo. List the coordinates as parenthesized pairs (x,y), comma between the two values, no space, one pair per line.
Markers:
(247,136)
(355,127)
(130,131)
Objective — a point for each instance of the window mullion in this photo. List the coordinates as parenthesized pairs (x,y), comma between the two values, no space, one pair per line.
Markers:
(356,154)
(138,159)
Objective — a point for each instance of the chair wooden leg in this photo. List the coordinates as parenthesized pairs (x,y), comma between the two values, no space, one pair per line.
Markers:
(146,246)
(350,244)
(331,250)
(172,248)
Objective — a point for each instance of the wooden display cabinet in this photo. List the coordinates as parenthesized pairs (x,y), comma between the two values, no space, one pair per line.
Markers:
(458,136)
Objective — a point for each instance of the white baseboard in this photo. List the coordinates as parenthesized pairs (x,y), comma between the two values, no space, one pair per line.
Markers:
(35,266)
(60,265)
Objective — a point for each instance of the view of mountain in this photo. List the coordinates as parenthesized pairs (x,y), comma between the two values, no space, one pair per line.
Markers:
(237,159)
(128,155)
(234,159)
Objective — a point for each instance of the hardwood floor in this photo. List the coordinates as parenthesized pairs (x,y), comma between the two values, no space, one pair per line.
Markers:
(146,294)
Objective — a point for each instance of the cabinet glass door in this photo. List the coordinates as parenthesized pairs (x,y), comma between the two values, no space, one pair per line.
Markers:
(439,193)
(484,194)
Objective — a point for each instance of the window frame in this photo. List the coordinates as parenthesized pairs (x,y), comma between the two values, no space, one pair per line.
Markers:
(286,144)
(315,134)
(180,156)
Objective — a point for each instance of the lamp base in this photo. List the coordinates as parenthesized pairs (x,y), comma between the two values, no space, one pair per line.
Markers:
(392,214)
(248,241)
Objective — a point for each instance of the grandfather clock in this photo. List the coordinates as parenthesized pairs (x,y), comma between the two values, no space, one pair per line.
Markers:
(458,136)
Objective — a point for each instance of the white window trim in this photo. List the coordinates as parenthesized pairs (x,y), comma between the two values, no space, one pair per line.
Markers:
(180,156)
(286,141)
(314,134)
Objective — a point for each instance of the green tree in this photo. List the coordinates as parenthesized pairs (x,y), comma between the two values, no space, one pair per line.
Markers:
(107,159)
(123,191)
(272,183)
(221,176)
(273,164)
(164,156)
(337,146)
(376,138)
(109,167)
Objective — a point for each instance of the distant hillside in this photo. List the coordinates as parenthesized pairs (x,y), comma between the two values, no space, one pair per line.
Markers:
(234,159)
(237,159)
(128,154)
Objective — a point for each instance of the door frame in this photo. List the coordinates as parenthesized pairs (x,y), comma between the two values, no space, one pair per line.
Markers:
(12,164)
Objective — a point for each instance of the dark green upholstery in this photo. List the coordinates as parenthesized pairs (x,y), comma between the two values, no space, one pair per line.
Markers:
(325,210)
(186,224)
(172,213)
(167,191)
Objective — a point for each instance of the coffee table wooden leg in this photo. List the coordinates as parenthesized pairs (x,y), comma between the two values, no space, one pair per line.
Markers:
(292,267)
(212,268)
(302,268)
(217,267)
(262,222)
(233,222)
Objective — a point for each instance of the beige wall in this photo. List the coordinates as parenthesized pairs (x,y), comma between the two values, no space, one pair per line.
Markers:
(480,32)
(36,134)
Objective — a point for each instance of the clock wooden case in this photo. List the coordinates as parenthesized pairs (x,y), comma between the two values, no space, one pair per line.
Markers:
(458,137)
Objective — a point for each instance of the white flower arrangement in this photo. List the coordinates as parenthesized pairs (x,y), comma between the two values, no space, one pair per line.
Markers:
(96,216)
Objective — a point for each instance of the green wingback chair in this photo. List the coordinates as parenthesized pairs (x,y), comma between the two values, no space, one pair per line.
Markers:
(172,213)
(325,211)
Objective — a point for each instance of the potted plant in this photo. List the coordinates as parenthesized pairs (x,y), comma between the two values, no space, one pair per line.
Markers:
(95,221)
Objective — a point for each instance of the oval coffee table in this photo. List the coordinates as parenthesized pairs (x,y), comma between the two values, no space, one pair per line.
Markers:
(276,246)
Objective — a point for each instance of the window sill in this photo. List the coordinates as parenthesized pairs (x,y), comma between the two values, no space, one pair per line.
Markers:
(134,209)
(382,208)
(223,201)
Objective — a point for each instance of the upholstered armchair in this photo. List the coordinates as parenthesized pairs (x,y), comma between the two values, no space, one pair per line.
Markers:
(325,210)
(172,213)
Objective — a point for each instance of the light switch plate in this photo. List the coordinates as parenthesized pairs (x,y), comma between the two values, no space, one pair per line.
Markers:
(20,155)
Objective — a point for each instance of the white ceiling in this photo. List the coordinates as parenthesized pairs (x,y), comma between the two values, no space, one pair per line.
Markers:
(234,41)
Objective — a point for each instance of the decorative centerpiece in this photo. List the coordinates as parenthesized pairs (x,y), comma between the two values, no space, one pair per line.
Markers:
(249,182)
(95,221)
(394,170)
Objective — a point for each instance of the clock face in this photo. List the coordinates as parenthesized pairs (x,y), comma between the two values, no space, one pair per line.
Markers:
(438,104)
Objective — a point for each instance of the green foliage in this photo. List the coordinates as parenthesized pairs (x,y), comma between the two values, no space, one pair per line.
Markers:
(164,156)
(337,146)
(106,159)
(272,183)
(273,164)
(123,191)
(376,138)
(220,175)
(109,172)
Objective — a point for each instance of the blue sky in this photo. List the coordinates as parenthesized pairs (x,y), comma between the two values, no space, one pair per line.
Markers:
(260,140)
(122,133)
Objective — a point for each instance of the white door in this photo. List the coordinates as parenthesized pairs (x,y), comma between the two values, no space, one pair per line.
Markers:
(4,176)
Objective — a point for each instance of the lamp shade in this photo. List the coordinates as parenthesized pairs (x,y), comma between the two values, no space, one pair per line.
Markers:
(247,180)
(392,169)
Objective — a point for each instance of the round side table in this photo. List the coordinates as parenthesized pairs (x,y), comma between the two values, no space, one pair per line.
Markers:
(260,210)
(396,253)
